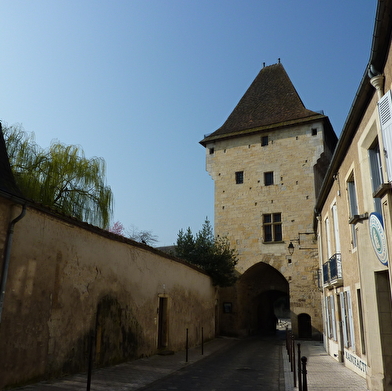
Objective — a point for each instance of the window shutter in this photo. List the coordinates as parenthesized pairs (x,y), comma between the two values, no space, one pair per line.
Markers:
(352,198)
(333,317)
(328,235)
(328,316)
(385,112)
(375,168)
(343,317)
(336,228)
(351,321)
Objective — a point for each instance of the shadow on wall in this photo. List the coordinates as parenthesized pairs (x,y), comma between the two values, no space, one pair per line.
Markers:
(115,338)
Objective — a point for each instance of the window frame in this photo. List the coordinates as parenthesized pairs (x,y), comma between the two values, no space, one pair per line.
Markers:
(376,175)
(330,318)
(347,319)
(352,206)
(272,227)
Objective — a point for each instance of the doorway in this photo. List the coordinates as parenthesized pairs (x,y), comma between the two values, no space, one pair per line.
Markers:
(162,323)
(304,326)
(385,321)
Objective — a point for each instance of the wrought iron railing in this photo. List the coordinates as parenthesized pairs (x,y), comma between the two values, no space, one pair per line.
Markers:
(332,270)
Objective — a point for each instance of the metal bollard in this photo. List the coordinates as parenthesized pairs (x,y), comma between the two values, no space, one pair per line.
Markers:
(304,374)
(294,371)
(287,342)
(202,341)
(186,346)
(90,360)
(299,368)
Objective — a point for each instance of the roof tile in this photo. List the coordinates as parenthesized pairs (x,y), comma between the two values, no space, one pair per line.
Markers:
(270,99)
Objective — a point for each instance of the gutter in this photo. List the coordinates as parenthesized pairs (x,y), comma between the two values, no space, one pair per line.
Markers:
(7,256)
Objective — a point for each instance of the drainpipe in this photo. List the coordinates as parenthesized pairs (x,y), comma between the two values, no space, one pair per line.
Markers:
(7,255)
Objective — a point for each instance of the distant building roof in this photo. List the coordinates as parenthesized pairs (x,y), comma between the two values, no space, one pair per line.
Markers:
(270,100)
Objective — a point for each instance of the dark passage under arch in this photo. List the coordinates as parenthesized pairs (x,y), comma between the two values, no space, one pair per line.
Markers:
(263,297)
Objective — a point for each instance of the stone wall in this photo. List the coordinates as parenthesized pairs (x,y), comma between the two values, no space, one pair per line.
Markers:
(292,155)
(68,279)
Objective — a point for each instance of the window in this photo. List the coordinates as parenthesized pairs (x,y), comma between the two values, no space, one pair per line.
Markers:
(239,177)
(353,207)
(268,178)
(212,150)
(264,141)
(272,226)
(336,228)
(330,312)
(314,132)
(375,172)
(347,319)
(328,238)
(361,326)
(385,112)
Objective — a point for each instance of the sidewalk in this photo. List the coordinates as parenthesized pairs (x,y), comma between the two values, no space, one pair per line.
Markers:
(324,372)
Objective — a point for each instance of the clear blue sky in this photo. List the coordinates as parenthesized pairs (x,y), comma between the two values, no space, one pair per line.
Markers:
(139,83)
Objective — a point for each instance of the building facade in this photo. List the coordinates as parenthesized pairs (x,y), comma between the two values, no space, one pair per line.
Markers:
(267,162)
(354,225)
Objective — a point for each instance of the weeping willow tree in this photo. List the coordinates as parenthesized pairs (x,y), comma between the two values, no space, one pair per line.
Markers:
(60,177)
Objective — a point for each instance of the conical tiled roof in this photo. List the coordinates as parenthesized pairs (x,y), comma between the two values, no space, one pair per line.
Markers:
(271,99)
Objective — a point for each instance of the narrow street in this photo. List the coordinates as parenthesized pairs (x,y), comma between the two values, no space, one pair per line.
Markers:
(253,363)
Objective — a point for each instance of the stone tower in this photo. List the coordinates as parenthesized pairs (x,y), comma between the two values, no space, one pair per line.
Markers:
(267,162)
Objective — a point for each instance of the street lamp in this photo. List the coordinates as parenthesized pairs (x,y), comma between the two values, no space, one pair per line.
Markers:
(291,248)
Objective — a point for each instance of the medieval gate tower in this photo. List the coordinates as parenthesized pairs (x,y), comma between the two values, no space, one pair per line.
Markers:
(267,162)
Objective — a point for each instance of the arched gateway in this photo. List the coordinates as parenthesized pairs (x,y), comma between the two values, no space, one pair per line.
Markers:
(259,299)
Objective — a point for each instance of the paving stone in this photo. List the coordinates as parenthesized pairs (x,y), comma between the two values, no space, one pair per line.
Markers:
(324,372)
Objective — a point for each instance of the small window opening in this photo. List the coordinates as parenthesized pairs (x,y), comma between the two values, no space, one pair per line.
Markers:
(268,178)
(314,132)
(264,141)
(212,150)
(239,177)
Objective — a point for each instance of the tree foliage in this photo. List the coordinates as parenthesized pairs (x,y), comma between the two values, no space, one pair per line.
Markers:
(60,177)
(117,228)
(213,254)
(146,237)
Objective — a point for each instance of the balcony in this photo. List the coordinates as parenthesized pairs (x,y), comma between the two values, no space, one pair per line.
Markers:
(332,271)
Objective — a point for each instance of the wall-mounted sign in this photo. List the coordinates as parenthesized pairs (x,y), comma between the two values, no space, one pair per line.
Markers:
(377,236)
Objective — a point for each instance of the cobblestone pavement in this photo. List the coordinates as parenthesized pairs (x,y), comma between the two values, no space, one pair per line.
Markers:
(253,363)
(324,373)
(133,375)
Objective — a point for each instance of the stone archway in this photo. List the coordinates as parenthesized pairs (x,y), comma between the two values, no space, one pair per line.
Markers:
(260,297)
